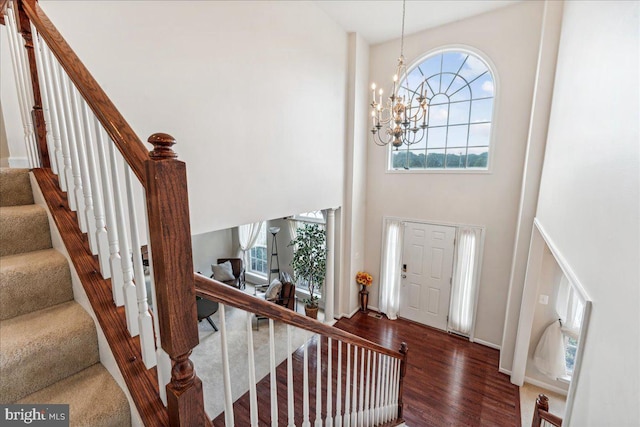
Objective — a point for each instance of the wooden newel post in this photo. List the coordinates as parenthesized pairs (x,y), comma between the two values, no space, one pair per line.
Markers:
(404,349)
(170,235)
(37,114)
(542,402)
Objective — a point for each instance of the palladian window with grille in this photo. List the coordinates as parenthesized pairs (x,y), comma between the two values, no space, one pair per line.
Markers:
(460,94)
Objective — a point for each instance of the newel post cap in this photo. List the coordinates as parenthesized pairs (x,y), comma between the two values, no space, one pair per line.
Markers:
(162,143)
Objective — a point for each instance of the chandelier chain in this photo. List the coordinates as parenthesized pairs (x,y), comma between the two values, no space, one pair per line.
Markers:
(404,5)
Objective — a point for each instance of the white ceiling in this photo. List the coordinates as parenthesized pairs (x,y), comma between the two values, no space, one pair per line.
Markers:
(381,20)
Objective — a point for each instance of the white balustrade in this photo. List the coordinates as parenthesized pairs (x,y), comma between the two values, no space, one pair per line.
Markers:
(129,290)
(226,377)
(23,83)
(338,417)
(272,371)
(145,323)
(44,96)
(329,418)
(318,422)
(100,234)
(361,399)
(354,392)
(82,140)
(74,193)
(66,174)
(347,389)
(253,395)
(290,402)
(115,263)
(54,115)
(365,416)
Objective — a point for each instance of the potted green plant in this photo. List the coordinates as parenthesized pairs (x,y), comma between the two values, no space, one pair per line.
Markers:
(309,262)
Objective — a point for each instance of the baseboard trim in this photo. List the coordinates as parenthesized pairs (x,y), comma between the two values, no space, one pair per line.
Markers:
(18,162)
(504,371)
(487,344)
(544,385)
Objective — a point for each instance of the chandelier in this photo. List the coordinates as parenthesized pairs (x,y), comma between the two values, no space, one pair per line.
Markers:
(402,119)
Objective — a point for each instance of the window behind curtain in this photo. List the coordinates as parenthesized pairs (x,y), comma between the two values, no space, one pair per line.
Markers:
(465,280)
(258,254)
(460,93)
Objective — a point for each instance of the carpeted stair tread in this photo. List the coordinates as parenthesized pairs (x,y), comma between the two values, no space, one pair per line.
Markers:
(23,229)
(43,347)
(15,187)
(32,281)
(94,398)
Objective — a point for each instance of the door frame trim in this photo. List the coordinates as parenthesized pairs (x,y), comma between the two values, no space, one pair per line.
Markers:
(457,226)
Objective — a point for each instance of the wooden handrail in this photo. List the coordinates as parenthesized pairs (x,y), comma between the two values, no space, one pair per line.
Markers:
(128,143)
(225,294)
(541,413)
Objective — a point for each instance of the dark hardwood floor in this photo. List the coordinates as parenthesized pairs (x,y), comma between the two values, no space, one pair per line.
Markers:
(449,381)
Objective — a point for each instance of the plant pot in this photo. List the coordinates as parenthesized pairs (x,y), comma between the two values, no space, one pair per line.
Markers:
(311,311)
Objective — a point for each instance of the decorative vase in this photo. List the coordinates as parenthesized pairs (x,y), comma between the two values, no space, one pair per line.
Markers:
(311,311)
(364,299)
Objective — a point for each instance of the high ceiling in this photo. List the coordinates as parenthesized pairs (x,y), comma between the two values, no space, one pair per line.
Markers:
(381,20)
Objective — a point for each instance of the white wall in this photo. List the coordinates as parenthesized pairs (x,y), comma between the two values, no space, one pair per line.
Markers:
(589,200)
(254,93)
(208,247)
(509,37)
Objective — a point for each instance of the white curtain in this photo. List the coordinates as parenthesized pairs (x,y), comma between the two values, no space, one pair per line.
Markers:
(570,308)
(390,268)
(465,280)
(549,354)
(247,236)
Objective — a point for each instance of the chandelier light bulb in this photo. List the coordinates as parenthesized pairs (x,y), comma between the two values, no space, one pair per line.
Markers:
(373,86)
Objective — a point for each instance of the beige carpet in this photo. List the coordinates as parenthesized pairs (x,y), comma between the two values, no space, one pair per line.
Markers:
(207,356)
(528,395)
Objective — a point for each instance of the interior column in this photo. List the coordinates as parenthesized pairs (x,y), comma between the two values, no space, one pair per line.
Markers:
(329,274)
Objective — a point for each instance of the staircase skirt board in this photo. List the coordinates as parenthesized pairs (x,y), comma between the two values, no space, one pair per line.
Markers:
(49,345)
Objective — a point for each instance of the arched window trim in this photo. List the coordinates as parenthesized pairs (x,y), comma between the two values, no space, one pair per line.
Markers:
(496,98)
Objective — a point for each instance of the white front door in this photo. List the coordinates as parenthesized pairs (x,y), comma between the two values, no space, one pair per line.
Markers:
(427,268)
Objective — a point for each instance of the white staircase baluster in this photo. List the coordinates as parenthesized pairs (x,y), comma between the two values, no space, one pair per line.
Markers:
(347,389)
(226,377)
(44,95)
(290,402)
(376,412)
(115,263)
(389,387)
(23,101)
(145,323)
(396,384)
(253,395)
(164,363)
(100,234)
(81,139)
(338,418)
(372,401)
(354,393)
(361,397)
(54,115)
(75,190)
(385,387)
(305,386)
(273,379)
(65,172)
(318,422)
(130,303)
(367,394)
(329,417)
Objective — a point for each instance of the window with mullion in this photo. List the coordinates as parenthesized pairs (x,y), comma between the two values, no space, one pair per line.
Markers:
(460,89)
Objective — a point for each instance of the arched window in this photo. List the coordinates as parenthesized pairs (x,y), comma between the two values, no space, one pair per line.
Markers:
(460,93)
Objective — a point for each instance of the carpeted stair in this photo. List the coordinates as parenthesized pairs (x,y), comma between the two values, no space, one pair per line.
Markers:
(48,343)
